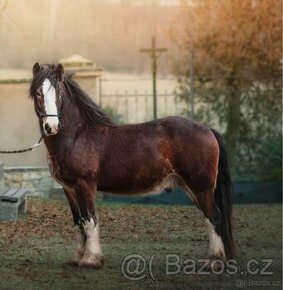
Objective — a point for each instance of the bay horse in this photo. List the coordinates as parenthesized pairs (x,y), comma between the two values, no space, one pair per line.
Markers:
(88,152)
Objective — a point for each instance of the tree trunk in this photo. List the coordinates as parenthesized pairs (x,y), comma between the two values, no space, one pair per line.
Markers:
(233,123)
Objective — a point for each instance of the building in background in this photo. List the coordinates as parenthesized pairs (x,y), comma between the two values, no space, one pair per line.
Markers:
(85,71)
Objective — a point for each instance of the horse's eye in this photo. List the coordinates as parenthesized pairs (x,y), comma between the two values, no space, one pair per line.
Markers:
(38,95)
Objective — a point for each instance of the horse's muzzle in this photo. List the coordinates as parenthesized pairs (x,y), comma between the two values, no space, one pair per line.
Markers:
(51,128)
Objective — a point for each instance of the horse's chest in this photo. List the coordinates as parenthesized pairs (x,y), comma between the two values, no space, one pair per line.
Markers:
(57,173)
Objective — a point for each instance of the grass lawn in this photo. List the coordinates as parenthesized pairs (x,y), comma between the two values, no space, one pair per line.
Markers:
(32,251)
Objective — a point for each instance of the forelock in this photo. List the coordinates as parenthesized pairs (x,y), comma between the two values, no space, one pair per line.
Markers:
(46,72)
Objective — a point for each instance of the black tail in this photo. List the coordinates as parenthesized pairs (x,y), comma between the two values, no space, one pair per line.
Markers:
(223,198)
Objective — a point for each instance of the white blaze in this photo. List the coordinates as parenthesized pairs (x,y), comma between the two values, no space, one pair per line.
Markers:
(49,93)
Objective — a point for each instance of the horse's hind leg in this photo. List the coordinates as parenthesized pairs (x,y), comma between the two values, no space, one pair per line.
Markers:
(205,202)
(92,256)
(213,221)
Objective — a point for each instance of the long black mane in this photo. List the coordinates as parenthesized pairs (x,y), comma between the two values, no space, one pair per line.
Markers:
(89,111)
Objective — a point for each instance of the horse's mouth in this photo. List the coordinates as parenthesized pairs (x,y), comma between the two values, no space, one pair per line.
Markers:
(49,134)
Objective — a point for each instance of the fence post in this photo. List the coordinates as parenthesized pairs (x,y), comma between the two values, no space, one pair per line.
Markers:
(146,106)
(100,91)
(166,105)
(136,105)
(117,102)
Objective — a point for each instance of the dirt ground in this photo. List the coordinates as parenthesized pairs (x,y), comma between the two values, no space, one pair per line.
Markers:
(33,251)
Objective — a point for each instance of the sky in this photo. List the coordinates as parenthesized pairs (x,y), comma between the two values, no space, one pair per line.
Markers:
(142,2)
(110,35)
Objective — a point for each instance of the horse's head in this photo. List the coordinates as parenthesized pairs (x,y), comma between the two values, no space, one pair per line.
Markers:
(47,92)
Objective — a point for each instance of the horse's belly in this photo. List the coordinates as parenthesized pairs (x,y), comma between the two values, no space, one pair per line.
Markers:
(146,174)
(166,183)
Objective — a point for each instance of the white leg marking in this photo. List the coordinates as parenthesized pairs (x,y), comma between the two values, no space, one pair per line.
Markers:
(216,247)
(80,249)
(92,254)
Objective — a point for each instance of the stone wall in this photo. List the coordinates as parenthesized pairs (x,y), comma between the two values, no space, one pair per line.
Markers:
(2,181)
(37,180)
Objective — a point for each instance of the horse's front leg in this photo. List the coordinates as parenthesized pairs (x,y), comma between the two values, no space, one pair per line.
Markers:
(92,257)
(75,208)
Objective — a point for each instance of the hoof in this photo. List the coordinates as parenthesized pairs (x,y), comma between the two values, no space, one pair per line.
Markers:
(94,263)
(216,264)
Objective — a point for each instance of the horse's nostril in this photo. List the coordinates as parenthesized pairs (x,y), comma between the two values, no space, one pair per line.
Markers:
(59,126)
(47,128)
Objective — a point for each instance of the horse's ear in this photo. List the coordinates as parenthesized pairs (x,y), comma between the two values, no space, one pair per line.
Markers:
(36,69)
(59,71)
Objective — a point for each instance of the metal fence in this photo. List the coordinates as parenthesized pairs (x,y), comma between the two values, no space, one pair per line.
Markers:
(131,100)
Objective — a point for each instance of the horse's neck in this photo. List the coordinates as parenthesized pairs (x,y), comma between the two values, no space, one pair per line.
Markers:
(65,138)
